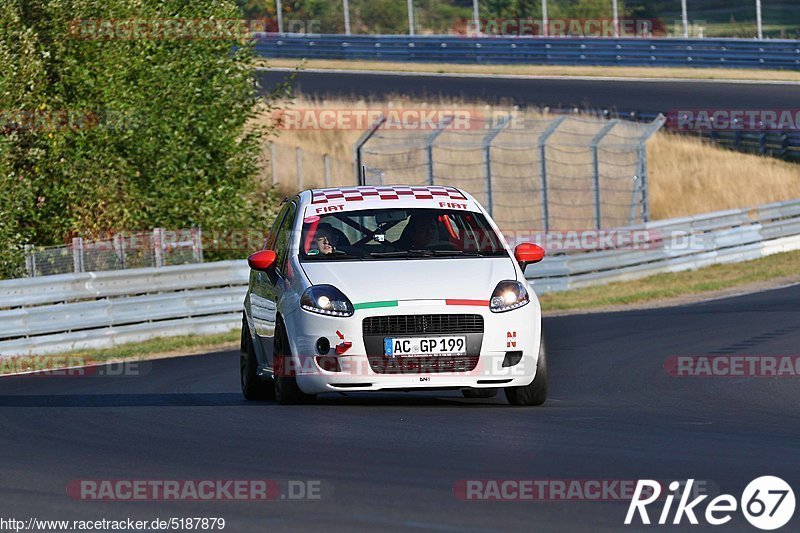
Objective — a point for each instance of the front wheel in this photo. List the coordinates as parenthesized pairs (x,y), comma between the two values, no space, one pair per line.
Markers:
(253,386)
(536,392)
(286,390)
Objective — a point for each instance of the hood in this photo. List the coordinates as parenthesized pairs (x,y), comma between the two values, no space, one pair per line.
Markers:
(413,279)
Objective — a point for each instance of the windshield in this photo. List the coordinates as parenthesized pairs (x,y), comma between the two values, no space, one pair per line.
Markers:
(398,233)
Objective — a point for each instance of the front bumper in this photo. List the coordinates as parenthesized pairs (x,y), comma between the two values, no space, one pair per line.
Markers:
(516,333)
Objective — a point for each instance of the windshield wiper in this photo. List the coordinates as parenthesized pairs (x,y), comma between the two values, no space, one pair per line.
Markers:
(337,254)
(455,252)
(403,253)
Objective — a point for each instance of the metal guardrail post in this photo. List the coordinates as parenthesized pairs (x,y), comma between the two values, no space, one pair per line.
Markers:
(366,136)
(272,164)
(279,12)
(637,185)
(299,168)
(119,248)
(542,144)
(158,247)
(429,146)
(596,170)
(652,128)
(30,261)
(197,244)
(77,254)
(487,160)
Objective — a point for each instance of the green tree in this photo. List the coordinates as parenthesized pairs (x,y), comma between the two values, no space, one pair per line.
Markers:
(513,9)
(156,133)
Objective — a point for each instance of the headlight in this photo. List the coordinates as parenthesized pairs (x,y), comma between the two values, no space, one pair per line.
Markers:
(508,295)
(326,300)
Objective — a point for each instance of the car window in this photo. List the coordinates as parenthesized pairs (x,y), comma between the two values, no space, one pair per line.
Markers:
(272,235)
(284,236)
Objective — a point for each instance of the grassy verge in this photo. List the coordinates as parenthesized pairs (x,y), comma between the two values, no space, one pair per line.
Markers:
(542,70)
(755,274)
(136,351)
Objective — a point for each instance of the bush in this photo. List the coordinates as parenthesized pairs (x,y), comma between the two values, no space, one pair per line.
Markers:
(101,134)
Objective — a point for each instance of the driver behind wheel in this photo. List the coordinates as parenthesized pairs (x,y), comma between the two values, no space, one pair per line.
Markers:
(325,240)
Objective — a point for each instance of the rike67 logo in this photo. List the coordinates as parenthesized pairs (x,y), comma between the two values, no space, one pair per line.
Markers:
(767,503)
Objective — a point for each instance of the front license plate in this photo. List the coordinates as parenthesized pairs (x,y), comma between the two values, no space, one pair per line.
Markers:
(402,346)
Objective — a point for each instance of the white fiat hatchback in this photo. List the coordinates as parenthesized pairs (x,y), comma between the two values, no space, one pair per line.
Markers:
(390,288)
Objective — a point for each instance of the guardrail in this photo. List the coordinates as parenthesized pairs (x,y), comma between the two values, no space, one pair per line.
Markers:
(675,245)
(729,53)
(94,310)
(99,309)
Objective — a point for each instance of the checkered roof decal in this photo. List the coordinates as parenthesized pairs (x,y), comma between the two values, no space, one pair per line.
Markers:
(355,194)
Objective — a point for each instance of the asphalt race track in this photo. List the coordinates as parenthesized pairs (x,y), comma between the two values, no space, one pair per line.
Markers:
(660,95)
(391,460)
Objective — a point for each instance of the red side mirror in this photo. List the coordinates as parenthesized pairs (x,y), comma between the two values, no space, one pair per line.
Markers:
(527,253)
(263,260)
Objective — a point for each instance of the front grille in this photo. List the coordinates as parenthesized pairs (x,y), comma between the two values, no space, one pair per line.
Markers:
(422,324)
(423,364)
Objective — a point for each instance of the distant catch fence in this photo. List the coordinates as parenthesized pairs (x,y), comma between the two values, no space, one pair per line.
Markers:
(120,251)
(543,173)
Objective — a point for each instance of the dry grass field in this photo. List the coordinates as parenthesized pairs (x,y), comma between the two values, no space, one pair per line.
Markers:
(686,175)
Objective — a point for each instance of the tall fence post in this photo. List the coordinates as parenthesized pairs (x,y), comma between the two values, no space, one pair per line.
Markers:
(272,164)
(598,212)
(487,161)
(119,248)
(77,254)
(299,168)
(759,24)
(158,247)
(429,146)
(366,136)
(641,152)
(326,160)
(197,244)
(30,265)
(543,167)
(346,8)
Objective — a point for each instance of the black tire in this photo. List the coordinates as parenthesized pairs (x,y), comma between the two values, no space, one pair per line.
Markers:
(536,392)
(285,386)
(253,387)
(479,393)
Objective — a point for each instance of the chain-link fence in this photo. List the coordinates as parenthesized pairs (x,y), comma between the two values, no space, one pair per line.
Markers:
(531,173)
(295,168)
(772,19)
(156,248)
